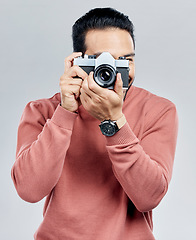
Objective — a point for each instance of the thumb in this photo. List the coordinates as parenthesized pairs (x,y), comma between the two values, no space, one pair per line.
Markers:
(118,84)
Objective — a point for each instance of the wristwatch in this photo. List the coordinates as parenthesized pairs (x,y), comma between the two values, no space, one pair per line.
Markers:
(109,127)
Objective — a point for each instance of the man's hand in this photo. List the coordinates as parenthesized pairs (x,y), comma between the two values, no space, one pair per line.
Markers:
(102,103)
(70,83)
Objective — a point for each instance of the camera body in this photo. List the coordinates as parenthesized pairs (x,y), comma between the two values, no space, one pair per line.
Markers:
(105,68)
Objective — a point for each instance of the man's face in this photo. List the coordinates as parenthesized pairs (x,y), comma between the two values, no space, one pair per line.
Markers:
(116,41)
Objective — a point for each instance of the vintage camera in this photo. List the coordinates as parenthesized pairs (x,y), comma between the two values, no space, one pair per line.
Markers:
(105,68)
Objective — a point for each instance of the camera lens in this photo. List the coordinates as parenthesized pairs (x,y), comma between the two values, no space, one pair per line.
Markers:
(105,75)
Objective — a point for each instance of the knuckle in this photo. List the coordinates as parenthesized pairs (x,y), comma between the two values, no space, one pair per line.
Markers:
(84,87)
(106,96)
(63,81)
(62,77)
(76,67)
(63,89)
(91,86)
(74,70)
(97,100)
(68,58)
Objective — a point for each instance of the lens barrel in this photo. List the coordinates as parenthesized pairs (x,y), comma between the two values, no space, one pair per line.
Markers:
(105,75)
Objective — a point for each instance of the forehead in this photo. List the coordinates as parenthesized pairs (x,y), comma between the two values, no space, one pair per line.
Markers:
(116,41)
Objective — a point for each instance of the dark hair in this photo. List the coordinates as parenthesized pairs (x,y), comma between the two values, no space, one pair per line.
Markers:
(99,18)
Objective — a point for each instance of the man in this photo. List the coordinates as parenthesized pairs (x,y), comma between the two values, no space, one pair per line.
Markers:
(96,186)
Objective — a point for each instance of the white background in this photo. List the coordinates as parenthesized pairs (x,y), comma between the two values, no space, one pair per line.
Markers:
(35,38)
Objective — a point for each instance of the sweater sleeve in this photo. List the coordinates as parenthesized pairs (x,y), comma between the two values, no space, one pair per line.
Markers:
(41,149)
(144,167)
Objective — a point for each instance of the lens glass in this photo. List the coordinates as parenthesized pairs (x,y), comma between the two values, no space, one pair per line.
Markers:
(105,75)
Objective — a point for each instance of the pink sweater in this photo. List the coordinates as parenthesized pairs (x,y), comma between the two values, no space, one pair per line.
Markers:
(96,187)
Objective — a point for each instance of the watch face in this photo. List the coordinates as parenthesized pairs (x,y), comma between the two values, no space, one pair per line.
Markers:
(108,128)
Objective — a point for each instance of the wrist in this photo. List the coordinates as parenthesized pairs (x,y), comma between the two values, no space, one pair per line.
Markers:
(71,111)
(111,127)
(121,121)
(69,106)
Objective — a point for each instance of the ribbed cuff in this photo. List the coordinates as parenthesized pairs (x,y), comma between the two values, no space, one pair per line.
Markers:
(63,118)
(124,136)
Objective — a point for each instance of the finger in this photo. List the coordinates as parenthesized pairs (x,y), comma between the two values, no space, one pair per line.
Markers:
(70,81)
(69,60)
(91,96)
(118,85)
(85,84)
(85,89)
(83,97)
(94,87)
(76,71)
(70,90)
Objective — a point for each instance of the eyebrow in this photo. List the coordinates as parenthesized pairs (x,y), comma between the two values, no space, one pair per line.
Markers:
(126,55)
(129,55)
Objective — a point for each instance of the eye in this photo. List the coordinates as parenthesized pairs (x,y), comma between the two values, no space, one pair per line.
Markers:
(130,59)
